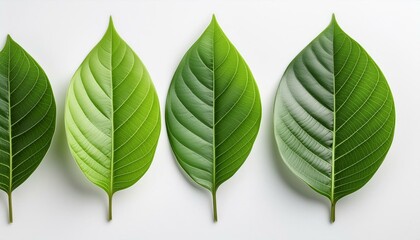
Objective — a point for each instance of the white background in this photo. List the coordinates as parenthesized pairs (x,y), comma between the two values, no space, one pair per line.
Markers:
(263,200)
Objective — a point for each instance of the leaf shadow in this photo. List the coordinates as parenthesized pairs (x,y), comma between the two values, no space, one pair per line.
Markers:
(195,185)
(64,163)
(5,205)
(285,174)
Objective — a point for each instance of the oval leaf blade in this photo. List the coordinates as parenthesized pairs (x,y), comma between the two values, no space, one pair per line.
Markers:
(27,120)
(213,110)
(112,116)
(334,115)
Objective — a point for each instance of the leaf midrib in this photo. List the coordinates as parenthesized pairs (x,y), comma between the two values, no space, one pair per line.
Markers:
(9,123)
(111,187)
(334,121)
(214,103)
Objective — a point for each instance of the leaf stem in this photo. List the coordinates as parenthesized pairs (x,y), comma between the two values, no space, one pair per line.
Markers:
(109,207)
(332,216)
(213,194)
(10,207)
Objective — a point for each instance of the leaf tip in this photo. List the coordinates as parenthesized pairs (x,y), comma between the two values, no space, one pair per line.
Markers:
(111,27)
(111,23)
(9,38)
(213,19)
(333,23)
(333,19)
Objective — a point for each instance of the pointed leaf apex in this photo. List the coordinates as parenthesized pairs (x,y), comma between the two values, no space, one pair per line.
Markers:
(333,24)
(111,23)
(214,20)
(9,38)
(111,28)
(333,19)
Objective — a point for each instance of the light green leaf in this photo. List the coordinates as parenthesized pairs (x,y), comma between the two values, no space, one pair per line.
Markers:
(213,110)
(112,116)
(334,115)
(27,117)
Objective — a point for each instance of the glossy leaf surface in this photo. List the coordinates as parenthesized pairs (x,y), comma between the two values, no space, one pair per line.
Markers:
(213,110)
(334,115)
(112,116)
(27,117)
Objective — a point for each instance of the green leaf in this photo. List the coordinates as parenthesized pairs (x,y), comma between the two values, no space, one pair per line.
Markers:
(334,115)
(213,110)
(112,116)
(27,117)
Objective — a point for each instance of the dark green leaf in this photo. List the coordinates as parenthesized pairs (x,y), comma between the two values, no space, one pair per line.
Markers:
(334,115)
(27,117)
(213,110)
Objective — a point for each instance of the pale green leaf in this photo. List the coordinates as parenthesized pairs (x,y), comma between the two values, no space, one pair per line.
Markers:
(112,116)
